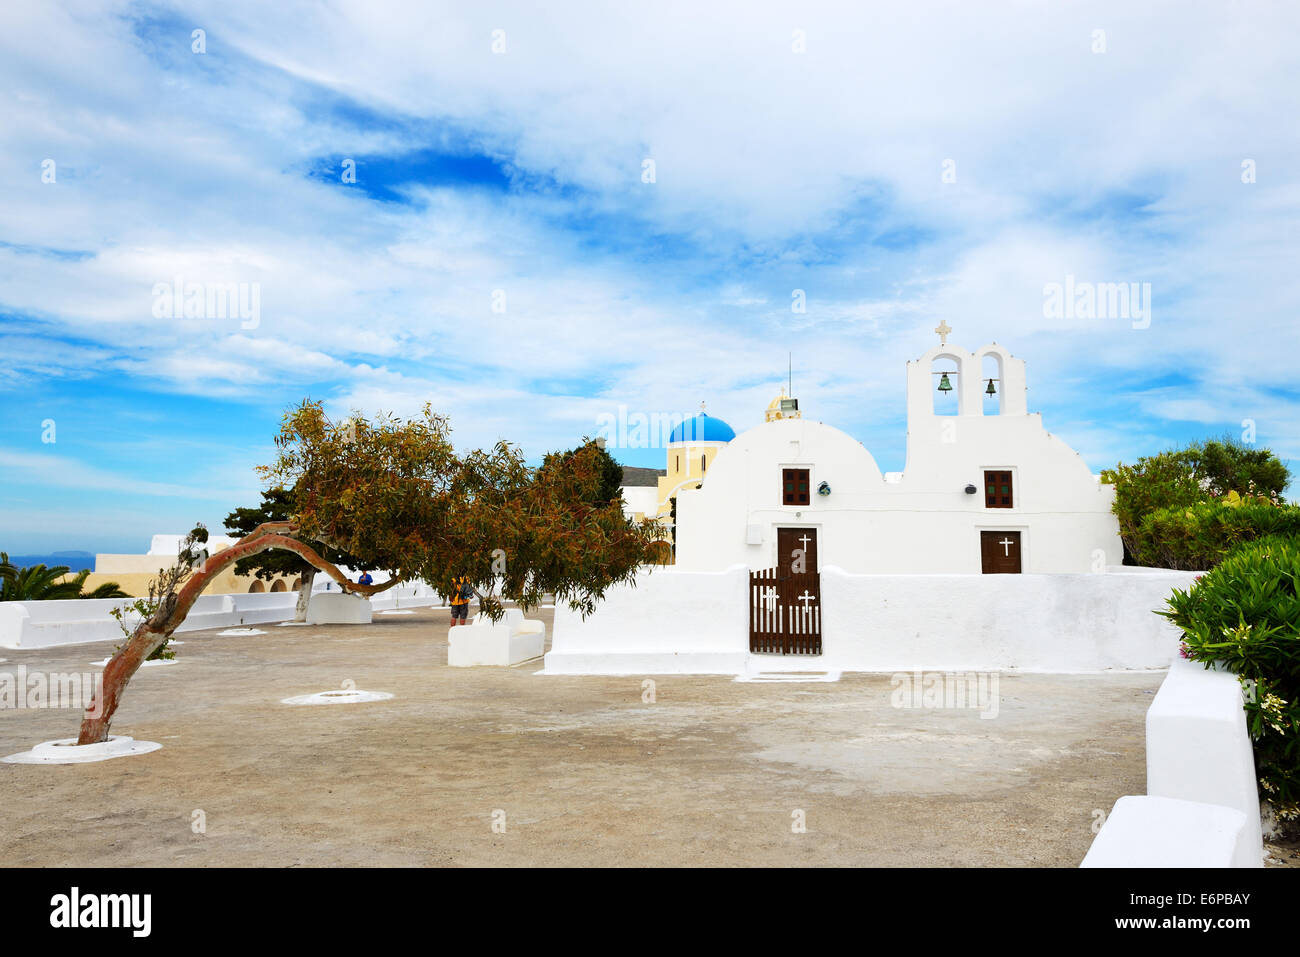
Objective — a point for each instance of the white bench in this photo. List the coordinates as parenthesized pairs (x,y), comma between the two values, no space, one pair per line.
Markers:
(1145,831)
(336,608)
(511,640)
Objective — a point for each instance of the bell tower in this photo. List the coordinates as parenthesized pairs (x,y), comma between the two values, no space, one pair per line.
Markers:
(966,384)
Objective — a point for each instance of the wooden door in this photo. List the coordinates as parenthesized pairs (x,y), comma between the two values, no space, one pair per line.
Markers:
(1000,553)
(796,551)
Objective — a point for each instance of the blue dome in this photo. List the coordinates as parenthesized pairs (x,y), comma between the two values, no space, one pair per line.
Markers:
(702,428)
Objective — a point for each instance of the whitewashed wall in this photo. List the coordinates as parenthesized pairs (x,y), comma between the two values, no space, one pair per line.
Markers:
(1044,623)
(671,622)
(697,623)
(42,624)
(640,498)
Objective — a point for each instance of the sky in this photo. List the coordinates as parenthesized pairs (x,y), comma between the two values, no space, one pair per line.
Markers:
(534,216)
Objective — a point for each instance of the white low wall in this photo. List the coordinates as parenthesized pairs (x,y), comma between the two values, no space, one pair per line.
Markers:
(1198,745)
(1202,803)
(1031,623)
(44,624)
(671,623)
(698,623)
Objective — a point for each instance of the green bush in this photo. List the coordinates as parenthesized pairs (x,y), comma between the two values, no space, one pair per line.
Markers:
(1245,614)
(1202,472)
(1198,537)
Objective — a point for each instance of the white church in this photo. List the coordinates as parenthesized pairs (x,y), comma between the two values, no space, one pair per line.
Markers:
(994,548)
(989,493)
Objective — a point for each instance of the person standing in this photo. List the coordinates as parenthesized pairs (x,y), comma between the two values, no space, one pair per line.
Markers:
(461,592)
(364,578)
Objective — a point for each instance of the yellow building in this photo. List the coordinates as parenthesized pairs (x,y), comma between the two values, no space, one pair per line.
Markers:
(134,572)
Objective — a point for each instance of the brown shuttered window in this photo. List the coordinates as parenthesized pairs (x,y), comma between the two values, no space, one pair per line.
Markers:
(997,490)
(794,487)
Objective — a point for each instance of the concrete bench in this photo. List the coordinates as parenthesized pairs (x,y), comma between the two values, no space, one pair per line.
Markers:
(336,608)
(1145,831)
(511,640)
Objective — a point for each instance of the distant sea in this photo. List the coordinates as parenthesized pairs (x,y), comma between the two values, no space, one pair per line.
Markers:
(75,561)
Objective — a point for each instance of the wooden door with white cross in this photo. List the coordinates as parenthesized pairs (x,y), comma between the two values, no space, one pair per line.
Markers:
(1000,553)
(785,615)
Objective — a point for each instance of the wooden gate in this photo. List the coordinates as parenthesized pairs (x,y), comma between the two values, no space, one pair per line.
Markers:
(785,612)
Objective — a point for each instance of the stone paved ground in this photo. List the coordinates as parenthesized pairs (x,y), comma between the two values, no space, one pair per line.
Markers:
(585,772)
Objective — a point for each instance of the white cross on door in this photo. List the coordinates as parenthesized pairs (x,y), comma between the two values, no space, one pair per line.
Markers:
(805,598)
(1006,544)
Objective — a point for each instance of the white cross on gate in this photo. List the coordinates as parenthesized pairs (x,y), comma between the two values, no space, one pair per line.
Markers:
(805,598)
(943,329)
(769,597)
(805,541)
(1006,544)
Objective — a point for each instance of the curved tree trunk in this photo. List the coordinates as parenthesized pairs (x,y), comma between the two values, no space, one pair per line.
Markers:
(304,594)
(176,605)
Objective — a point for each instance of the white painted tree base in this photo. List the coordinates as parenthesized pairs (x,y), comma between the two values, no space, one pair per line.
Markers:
(146,664)
(398,611)
(67,751)
(338,697)
(240,632)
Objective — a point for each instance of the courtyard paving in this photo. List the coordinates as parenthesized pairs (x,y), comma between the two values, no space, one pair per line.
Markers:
(579,771)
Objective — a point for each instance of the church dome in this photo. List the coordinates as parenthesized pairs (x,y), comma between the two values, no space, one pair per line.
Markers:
(702,428)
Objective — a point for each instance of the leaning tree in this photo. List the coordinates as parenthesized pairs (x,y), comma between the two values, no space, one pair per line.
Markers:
(396,494)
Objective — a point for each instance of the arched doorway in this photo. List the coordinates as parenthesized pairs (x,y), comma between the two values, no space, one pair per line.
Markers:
(278,585)
(256,587)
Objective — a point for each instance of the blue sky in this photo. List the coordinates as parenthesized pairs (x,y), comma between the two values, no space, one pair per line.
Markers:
(520,173)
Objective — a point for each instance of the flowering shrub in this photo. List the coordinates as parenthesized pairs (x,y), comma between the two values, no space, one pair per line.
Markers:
(1245,615)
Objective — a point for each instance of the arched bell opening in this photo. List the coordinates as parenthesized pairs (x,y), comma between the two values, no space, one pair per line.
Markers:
(945,385)
(991,386)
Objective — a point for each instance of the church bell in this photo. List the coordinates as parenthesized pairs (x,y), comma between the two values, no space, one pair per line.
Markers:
(944,384)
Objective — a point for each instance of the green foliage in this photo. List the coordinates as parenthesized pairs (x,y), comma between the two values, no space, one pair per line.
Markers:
(278,505)
(395,493)
(1182,478)
(42,583)
(143,608)
(610,482)
(1245,614)
(1200,536)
